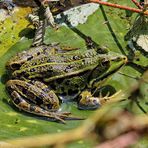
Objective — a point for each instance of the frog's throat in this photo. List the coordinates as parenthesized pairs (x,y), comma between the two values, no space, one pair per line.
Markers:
(107,74)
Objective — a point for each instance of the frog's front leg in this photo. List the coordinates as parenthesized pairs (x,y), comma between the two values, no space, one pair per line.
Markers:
(33,99)
(87,101)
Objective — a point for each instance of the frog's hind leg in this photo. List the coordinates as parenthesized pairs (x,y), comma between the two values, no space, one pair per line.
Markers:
(29,98)
(22,104)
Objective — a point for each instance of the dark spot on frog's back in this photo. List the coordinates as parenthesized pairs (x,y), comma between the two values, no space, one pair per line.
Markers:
(23,73)
(32,108)
(17,101)
(14,66)
(49,106)
(76,57)
(68,68)
(34,63)
(32,70)
(38,53)
(28,59)
(29,94)
(38,100)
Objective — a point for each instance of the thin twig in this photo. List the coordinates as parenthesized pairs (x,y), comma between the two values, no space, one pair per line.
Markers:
(137,4)
(120,7)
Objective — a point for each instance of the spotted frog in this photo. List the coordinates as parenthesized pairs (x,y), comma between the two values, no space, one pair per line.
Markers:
(45,74)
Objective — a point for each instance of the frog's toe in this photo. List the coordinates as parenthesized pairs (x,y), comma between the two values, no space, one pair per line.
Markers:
(89,103)
(59,116)
(62,116)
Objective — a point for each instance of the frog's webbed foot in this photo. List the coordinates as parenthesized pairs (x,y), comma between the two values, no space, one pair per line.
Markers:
(58,116)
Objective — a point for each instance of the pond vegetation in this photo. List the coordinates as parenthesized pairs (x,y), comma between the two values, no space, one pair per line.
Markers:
(123,117)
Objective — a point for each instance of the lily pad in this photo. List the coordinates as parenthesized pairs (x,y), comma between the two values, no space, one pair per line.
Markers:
(107,27)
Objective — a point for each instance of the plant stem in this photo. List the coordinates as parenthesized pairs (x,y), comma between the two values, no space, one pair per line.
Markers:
(120,7)
(137,4)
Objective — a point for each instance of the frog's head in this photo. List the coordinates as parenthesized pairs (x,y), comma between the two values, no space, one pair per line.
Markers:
(109,64)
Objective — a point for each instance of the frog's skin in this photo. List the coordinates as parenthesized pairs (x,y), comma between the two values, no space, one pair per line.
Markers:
(43,74)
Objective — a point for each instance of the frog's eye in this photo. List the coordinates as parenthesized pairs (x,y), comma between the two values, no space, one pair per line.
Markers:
(105,63)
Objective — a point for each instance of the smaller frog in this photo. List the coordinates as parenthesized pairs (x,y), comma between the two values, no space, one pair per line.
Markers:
(40,78)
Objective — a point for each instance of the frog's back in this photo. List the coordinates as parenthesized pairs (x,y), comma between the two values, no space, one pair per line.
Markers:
(60,65)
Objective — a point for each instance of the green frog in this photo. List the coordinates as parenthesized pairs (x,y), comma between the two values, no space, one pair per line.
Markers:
(45,74)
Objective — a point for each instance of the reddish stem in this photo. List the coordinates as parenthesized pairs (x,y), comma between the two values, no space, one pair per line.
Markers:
(119,6)
(137,4)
